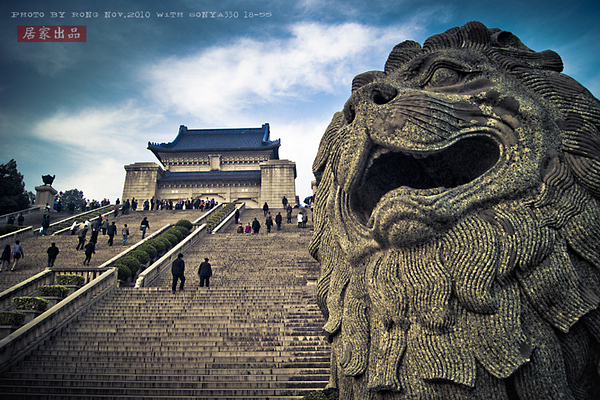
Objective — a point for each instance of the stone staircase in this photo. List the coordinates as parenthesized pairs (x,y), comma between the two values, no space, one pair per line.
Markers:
(255,334)
(35,247)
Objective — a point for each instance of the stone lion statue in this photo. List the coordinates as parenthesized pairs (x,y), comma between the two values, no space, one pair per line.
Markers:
(457,224)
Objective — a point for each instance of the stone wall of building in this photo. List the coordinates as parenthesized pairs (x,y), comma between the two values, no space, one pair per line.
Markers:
(140,180)
(247,192)
(277,180)
(214,161)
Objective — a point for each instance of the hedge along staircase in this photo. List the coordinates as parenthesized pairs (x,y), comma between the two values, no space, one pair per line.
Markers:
(255,334)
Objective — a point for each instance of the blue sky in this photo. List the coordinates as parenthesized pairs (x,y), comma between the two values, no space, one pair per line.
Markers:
(81,111)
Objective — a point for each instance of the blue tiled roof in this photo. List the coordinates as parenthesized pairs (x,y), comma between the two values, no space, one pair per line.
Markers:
(218,140)
(210,176)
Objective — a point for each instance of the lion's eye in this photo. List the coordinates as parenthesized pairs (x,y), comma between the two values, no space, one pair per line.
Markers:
(444,76)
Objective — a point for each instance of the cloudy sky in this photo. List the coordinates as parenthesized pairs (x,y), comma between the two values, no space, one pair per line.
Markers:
(83,110)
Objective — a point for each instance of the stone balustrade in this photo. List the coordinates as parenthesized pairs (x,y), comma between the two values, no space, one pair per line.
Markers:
(19,343)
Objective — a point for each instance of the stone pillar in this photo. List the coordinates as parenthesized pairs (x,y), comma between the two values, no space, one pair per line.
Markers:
(277,179)
(45,195)
(141,181)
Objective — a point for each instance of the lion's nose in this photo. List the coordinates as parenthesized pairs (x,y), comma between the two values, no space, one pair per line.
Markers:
(376,93)
(382,93)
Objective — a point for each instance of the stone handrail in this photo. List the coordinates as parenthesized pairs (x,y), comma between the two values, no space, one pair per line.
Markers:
(15,213)
(88,274)
(11,237)
(198,222)
(18,344)
(147,276)
(25,288)
(241,207)
(135,246)
(76,217)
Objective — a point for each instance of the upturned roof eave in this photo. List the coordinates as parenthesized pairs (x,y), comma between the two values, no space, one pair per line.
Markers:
(164,149)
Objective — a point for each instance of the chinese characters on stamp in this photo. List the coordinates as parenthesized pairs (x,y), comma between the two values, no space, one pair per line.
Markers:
(43,33)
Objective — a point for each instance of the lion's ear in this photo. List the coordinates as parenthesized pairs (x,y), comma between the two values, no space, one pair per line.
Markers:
(366,78)
(506,39)
(401,54)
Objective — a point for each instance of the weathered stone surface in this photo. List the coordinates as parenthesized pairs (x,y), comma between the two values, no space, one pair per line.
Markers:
(457,223)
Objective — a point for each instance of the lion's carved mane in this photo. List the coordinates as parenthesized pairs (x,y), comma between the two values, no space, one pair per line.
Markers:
(457,224)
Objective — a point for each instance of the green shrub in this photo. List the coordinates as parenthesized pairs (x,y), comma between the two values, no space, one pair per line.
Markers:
(158,245)
(140,255)
(165,242)
(123,271)
(171,238)
(182,230)
(53,291)
(8,228)
(149,249)
(12,318)
(175,232)
(130,262)
(219,216)
(30,303)
(185,223)
(69,280)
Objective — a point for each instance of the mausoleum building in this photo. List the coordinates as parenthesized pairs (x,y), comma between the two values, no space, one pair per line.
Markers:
(229,165)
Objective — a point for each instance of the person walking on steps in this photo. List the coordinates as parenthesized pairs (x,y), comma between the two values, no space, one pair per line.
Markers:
(255,226)
(90,249)
(17,253)
(178,271)
(125,233)
(95,231)
(111,231)
(144,225)
(5,259)
(81,236)
(52,253)
(269,223)
(204,273)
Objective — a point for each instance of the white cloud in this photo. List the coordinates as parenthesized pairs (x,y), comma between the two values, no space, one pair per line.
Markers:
(91,146)
(221,83)
(96,177)
(300,141)
(97,130)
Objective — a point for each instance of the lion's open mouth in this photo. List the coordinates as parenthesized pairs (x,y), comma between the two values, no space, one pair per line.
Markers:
(454,166)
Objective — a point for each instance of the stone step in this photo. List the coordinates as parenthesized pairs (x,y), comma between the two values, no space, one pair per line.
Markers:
(169,365)
(145,393)
(16,396)
(109,374)
(166,353)
(132,386)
